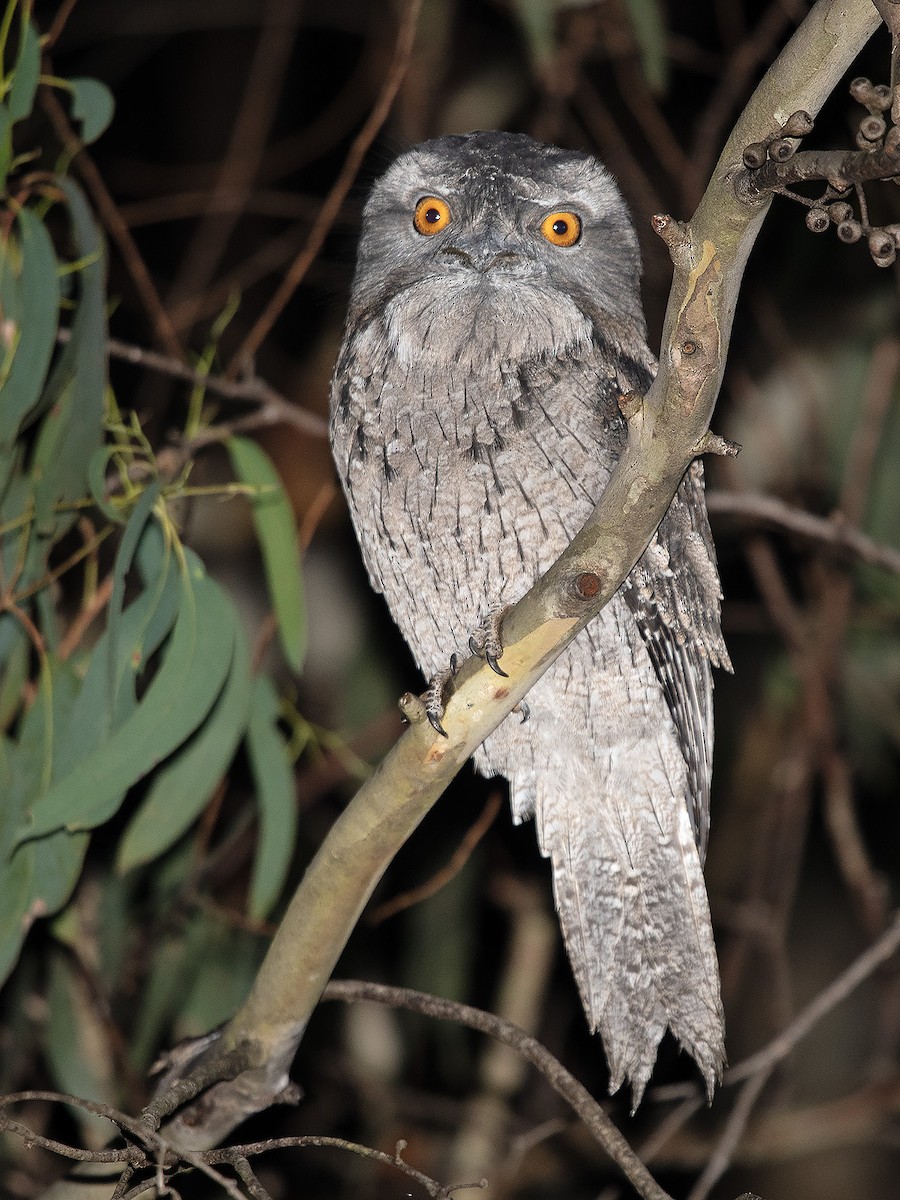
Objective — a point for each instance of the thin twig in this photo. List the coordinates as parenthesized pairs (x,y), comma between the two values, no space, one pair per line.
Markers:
(441,878)
(84,618)
(755,1071)
(722,1155)
(562,1082)
(116,227)
(839,168)
(334,200)
(732,85)
(837,991)
(278,29)
(59,23)
(835,530)
(274,407)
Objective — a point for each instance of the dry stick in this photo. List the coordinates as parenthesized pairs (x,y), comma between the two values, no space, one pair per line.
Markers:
(834,531)
(562,1082)
(59,23)
(274,408)
(839,167)
(242,158)
(403,50)
(441,878)
(755,1071)
(665,432)
(768,1058)
(733,81)
(163,328)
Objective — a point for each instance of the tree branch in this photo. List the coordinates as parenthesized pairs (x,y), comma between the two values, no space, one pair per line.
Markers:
(665,432)
(563,1083)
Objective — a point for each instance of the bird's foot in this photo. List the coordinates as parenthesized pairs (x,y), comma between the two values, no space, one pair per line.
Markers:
(486,642)
(434,697)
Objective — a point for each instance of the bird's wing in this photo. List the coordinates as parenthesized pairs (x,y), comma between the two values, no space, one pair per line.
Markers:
(673,593)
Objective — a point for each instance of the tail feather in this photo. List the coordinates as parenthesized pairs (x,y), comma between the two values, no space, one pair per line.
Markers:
(632,904)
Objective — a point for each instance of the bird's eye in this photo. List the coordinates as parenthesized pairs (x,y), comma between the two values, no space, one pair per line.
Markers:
(432,215)
(561,228)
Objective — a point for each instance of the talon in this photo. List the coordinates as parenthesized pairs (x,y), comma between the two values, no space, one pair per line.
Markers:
(434,721)
(474,647)
(523,710)
(491,661)
(454,664)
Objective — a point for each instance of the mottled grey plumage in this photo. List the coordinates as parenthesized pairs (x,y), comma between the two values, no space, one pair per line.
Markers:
(475,423)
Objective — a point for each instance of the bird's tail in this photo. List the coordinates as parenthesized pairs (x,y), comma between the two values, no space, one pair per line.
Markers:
(632,903)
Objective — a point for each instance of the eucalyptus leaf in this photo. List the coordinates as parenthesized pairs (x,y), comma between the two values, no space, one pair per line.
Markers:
(649,25)
(25,78)
(93,105)
(274,782)
(180,695)
(82,365)
(276,530)
(35,321)
(183,785)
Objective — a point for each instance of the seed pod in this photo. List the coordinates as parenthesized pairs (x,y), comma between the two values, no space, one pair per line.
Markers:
(881,244)
(881,97)
(886,260)
(817,220)
(873,128)
(754,155)
(799,124)
(782,149)
(839,211)
(861,89)
(849,231)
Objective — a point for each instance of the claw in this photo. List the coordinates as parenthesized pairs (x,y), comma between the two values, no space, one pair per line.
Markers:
(454,664)
(434,721)
(523,710)
(473,646)
(492,663)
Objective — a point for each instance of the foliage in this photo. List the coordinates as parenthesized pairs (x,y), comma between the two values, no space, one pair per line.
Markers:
(117,738)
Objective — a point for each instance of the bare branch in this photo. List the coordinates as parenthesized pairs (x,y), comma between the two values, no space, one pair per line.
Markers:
(273,407)
(833,531)
(334,200)
(562,1082)
(838,168)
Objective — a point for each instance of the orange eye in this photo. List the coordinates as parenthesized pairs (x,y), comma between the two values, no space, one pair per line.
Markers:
(561,228)
(432,215)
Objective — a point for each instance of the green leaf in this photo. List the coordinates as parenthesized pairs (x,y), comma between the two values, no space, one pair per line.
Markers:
(277,534)
(37,878)
(182,787)
(6,124)
(88,346)
(25,78)
(274,780)
(14,664)
(78,1047)
(108,694)
(182,692)
(93,105)
(222,963)
(15,876)
(35,321)
(648,23)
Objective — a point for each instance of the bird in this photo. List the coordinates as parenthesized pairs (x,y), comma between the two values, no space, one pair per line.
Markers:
(494,321)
